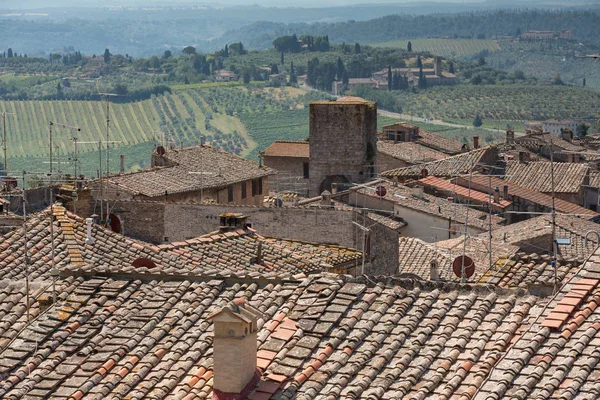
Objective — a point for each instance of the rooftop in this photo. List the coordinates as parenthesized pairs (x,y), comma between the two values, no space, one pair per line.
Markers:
(284,148)
(191,169)
(568,177)
(446,186)
(345,100)
(321,336)
(562,206)
(446,168)
(229,254)
(410,152)
(404,197)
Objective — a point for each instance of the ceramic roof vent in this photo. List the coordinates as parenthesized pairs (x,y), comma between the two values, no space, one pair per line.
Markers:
(89,239)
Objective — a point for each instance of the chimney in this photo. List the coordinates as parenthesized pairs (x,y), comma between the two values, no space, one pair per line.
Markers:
(566,134)
(505,192)
(326,199)
(122,165)
(231,222)
(259,258)
(434,271)
(523,156)
(234,350)
(496,195)
(334,188)
(475,142)
(89,239)
(510,135)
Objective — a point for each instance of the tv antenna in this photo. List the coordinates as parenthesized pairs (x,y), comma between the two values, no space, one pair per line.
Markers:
(108,96)
(4,114)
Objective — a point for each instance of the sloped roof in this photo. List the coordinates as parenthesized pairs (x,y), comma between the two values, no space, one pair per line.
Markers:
(191,169)
(285,148)
(562,206)
(435,206)
(229,254)
(439,142)
(448,167)
(322,336)
(446,186)
(410,152)
(568,177)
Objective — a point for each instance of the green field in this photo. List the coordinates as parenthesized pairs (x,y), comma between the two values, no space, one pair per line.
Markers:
(545,61)
(445,47)
(502,104)
(236,119)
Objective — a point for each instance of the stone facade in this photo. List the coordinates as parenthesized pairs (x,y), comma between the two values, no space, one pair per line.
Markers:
(165,222)
(343,143)
(292,174)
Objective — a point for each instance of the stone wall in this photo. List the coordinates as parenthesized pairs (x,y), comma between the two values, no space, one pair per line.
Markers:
(159,222)
(290,174)
(386,162)
(343,143)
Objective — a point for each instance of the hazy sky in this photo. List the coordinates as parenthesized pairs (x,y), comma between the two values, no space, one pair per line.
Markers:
(22,4)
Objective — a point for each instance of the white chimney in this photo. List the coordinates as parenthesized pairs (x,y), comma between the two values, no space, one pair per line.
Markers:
(234,348)
(89,239)
(434,271)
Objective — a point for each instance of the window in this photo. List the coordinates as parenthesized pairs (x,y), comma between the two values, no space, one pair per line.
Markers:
(259,185)
(230,194)
(305,167)
(244,194)
(254,188)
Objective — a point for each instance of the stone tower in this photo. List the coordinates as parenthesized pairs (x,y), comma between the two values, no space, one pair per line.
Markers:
(343,143)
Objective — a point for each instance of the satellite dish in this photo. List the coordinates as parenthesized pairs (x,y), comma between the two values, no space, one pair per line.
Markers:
(424,173)
(468,263)
(161,150)
(381,191)
(278,202)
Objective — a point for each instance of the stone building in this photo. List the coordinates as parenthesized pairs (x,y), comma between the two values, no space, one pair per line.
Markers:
(291,160)
(343,142)
(191,175)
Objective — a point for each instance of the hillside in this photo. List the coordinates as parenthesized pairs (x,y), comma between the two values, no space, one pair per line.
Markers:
(239,120)
(445,47)
(485,24)
(499,105)
(546,60)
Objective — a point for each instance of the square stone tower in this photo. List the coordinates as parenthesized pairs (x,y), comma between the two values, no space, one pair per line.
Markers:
(343,143)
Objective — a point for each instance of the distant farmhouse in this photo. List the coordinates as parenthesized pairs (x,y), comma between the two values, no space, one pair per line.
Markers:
(545,35)
(379,80)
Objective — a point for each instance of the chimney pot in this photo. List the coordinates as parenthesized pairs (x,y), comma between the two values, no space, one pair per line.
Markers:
(326,198)
(496,195)
(434,273)
(122,165)
(475,142)
(505,192)
(89,239)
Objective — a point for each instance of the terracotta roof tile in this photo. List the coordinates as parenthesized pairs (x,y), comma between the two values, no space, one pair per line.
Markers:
(284,148)
(231,254)
(568,177)
(220,169)
(446,168)
(411,152)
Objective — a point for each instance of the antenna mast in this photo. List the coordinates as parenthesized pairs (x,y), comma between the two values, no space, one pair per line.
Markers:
(4,141)
(108,96)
